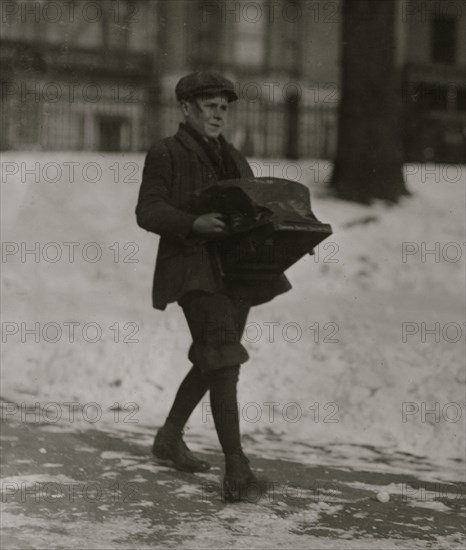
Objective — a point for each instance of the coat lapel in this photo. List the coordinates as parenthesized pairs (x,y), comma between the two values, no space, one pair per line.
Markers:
(190,143)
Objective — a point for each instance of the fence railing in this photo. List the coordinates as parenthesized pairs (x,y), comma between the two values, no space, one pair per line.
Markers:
(38,120)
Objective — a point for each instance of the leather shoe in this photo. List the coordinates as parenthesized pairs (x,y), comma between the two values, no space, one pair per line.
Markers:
(240,483)
(170,448)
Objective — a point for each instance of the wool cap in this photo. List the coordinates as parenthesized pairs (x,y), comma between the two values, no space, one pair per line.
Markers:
(205,82)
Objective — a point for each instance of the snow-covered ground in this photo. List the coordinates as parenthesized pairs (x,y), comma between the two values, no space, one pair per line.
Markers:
(344,359)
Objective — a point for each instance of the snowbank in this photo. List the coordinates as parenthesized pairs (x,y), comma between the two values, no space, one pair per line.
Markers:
(329,361)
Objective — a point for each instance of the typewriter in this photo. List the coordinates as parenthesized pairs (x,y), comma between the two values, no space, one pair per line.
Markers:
(270,225)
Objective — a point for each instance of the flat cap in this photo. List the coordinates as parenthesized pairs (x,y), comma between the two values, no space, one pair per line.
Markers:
(205,82)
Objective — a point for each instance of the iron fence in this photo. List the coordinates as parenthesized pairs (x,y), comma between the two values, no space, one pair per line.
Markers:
(45,119)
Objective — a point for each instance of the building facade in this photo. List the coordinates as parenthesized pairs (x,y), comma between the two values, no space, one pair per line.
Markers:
(75,75)
(85,75)
(433,63)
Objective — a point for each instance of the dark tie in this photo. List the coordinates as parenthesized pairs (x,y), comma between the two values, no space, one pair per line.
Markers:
(217,149)
(215,145)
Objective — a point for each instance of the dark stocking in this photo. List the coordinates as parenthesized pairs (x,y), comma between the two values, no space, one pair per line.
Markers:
(190,392)
(222,384)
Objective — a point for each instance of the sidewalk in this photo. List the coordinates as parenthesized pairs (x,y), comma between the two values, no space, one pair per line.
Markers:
(91,489)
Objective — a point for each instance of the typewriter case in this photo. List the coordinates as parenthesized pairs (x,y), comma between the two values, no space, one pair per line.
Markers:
(270,225)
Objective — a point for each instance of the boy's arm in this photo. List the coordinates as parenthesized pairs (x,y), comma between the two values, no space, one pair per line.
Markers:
(154,211)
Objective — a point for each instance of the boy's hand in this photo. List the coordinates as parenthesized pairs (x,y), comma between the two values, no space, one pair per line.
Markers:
(209,225)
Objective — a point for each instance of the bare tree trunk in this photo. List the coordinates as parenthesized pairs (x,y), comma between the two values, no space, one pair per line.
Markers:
(369,157)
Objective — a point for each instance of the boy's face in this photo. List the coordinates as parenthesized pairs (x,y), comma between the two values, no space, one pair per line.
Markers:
(206,114)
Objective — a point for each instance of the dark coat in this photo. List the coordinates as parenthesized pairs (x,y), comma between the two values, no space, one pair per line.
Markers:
(174,168)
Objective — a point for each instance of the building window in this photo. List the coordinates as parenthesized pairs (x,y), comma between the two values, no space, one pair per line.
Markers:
(431,96)
(28,122)
(443,39)
(461,99)
(291,39)
(284,36)
(250,34)
(117,23)
(206,21)
(113,133)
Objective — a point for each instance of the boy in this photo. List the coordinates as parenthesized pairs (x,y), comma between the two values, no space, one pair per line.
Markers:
(186,272)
